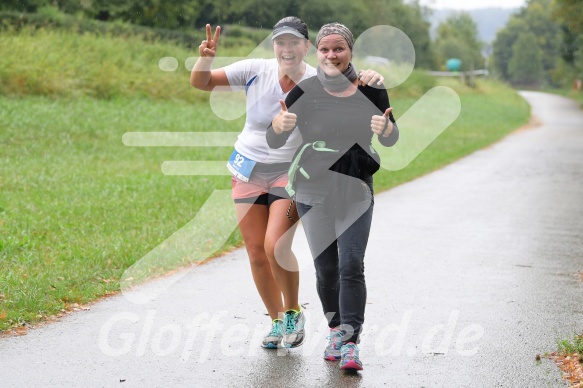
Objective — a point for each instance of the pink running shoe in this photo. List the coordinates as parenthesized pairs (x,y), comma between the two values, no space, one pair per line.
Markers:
(332,351)
(349,357)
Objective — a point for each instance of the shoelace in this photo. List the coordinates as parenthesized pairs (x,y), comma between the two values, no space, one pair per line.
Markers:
(349,351)
(290,324)
(335,339)
(276,328)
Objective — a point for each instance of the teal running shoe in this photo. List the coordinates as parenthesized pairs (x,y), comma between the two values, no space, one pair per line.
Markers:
(349,359)
(332,351)
(294,322)
(273,339)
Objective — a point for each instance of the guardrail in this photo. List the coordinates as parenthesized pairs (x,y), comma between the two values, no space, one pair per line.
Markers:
(466,77)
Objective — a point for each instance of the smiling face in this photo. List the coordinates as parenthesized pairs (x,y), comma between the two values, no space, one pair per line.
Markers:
(334,54)
(290,52)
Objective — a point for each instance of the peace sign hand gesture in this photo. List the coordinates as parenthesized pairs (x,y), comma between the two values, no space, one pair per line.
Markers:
(208,47)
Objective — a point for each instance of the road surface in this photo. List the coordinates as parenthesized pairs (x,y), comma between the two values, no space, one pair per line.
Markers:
(472,271)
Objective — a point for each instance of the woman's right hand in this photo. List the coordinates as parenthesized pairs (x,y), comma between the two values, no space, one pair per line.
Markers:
(381,124)
(208,47)
(284,121)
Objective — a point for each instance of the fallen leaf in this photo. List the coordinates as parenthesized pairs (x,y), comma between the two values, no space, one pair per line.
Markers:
(571,367)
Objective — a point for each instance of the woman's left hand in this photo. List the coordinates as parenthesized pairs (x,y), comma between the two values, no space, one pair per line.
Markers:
(378,124)
(368,77)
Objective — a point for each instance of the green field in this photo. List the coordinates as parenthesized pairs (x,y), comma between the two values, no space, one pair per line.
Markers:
(78,207)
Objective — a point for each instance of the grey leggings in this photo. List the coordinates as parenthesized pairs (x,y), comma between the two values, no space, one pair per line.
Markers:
(338,240)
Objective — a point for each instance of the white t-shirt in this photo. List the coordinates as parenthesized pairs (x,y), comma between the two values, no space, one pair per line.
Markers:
(260,80)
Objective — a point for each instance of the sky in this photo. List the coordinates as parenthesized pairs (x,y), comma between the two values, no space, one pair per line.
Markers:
(472,4)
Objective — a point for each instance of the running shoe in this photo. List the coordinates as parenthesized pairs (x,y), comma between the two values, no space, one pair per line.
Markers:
(294,322)
(332,351)
(273,339)
(349,359)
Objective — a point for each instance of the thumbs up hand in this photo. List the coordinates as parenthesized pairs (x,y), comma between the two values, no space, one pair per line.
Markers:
(381,125)
(284,121)
(283,107)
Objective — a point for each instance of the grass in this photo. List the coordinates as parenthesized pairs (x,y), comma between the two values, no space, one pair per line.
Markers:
(65,64)
(570,346)
(569,358)
(488,113)
(78,208)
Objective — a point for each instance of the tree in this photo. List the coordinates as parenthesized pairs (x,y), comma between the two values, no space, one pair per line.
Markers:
(546,31)
(536,19)
(412,19)
(526,65)
(569,13)
(358,15)
(23,5)
(502,47)
(457,37)
(353,14)
(255,13)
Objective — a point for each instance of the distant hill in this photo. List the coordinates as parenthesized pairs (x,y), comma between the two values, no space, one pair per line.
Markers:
(489,20)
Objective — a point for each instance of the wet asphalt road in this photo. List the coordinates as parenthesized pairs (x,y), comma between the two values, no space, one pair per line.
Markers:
(472,271)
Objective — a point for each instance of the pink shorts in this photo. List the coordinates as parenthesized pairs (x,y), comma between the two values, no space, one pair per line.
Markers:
(263,187)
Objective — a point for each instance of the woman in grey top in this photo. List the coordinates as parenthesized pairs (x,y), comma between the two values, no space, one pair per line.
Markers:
(331,177)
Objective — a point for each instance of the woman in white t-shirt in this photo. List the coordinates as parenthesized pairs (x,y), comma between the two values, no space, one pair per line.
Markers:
(266,214)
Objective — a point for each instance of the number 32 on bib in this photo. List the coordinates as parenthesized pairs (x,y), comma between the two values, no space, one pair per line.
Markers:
(240,166)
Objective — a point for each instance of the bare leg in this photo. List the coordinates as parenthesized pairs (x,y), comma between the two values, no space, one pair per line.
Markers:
(253,221)
(278,240)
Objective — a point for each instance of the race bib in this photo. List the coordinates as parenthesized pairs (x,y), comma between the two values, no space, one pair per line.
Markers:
(240,166)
